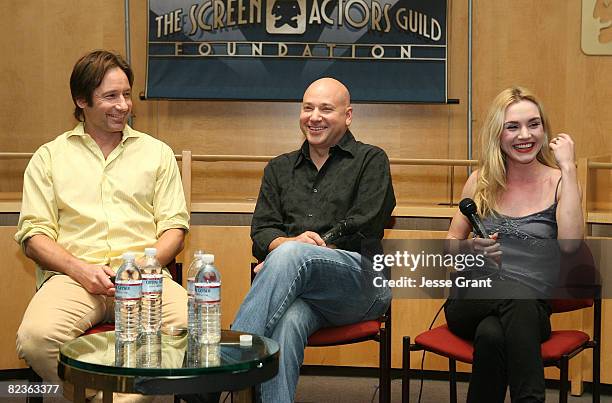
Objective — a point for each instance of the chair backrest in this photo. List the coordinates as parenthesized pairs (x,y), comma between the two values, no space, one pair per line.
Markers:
(176,271)
(186,177)
(566,305)
(579,282)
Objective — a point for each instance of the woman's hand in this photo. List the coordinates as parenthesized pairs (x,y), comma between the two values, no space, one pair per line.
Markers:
(562,147)
(488,247)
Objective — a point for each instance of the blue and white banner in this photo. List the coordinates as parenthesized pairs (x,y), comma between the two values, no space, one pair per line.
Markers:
(383,50)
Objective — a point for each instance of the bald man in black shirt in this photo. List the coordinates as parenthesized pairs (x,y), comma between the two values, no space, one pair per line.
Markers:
(315,207)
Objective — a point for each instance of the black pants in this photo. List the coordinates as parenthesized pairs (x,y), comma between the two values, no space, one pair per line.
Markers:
(507,335)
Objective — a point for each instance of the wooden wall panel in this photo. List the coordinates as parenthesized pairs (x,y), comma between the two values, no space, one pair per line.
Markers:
(18,287)
(600,196)
(41,40)
(510,46)
(537,44)
(232,249)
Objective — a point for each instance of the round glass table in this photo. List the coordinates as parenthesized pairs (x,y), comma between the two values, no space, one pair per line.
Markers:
(166,364)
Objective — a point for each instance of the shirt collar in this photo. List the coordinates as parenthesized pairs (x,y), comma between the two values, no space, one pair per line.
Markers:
(346,144)
(128,132)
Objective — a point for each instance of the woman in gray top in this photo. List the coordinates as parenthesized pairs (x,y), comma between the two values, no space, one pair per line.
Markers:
(526,189)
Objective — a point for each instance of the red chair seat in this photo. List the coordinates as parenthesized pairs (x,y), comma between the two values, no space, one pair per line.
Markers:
(444,342)
(102,327)
(561,342)
(344,334)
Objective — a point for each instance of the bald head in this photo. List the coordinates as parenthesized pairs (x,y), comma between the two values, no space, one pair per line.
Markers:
(331,87)
(326,113)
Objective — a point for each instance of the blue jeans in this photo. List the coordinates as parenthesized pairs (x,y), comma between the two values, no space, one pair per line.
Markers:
(300,289)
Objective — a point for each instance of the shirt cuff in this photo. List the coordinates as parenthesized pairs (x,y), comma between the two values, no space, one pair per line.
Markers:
(171,224)
(28,230)
(262,241)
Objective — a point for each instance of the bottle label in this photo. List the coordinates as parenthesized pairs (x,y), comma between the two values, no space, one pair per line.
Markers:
(208,292)
(152,283)
(126,290)
(191,286)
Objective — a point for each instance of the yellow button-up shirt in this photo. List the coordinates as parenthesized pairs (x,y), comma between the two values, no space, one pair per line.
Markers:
(98,208)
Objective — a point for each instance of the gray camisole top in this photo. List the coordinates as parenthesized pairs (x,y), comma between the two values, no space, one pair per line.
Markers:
(530,252)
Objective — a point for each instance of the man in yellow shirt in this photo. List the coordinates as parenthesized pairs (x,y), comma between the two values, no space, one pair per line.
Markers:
(91,194)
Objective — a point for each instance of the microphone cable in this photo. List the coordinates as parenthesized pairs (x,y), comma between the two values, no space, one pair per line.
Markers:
(423,356)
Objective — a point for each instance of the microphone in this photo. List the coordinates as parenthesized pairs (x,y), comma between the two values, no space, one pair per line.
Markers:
(468,208)
(337,231)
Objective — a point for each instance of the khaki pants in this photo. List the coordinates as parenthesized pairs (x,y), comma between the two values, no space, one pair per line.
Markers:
(62,310)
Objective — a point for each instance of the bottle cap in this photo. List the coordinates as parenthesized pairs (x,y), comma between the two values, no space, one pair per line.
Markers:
(246,340)
(208,258)
(128,256)
(198,253)
(150,251)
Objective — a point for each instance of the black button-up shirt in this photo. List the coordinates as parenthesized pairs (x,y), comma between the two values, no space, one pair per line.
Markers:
(354,185)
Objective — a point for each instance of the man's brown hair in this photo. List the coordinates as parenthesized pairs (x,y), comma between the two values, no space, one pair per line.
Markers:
(88,73)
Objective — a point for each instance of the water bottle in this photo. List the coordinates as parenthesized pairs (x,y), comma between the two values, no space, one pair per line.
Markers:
(192,353)
(152,280)
(194,268)
(210,355)
(208,302)
(149,350)
(202,355)
(128,294)
(126,353)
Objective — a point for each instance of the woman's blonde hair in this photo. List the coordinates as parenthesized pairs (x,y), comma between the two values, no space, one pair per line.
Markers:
(492,163)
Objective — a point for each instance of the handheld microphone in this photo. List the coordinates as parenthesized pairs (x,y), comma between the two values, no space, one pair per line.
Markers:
(468,208)
(337,231)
